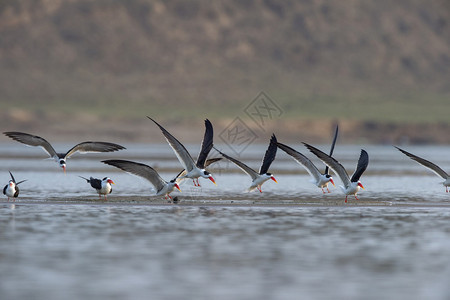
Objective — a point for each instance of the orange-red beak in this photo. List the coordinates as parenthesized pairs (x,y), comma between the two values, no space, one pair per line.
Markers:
(360,185)
(64,169)
(212,179)
(178,187)
(110,181)
(332,182)
(273,178)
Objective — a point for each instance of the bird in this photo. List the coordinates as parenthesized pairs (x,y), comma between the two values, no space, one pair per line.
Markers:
(12,189)
(351,185)
(60,158)
(163,188)
(103,186)
(195,170)
(428,164)
(258,178)
(321,180)
(208,162)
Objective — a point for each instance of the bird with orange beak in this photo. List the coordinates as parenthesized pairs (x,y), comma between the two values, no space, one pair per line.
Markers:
(103,186)
(258,178)
(12,189)
(162,187)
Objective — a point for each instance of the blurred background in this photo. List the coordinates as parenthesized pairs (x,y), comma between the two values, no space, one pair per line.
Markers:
(79,69)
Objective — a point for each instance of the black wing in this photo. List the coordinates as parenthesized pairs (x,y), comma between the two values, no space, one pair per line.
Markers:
(363,162)
(426,163)
(269,156)
(332,146)
(207,145)
(16,194)
(95,183)
(4,189)
(12,177)
(86,147)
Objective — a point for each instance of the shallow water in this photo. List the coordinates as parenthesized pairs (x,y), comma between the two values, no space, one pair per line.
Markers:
(289,242)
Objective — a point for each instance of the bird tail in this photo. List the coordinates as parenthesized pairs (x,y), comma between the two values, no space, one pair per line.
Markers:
(84,178)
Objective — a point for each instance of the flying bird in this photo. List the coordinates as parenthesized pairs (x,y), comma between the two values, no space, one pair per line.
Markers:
(351,185)
(12,189)
(428,164)
(258,178)
(163,188)
(194,170)
(102,186)
(60,158)
(321,180)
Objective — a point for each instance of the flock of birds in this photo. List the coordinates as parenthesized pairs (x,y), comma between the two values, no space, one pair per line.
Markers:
(197,169)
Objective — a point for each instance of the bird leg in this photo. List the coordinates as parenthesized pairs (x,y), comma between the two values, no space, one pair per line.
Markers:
(328,190)
(323,192)
(356,198)
(446,189)
(346,199)
(259,188)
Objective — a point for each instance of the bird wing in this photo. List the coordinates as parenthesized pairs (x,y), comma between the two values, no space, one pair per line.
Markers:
(428,164)
(363,162)
(95,183)
(269,156)
(207,145)
(12,177)
(180,151)
(302,160)
(31,140)
(86,147)
(249,171)
(17,183)
(332,145)
(332,163)
(139,169)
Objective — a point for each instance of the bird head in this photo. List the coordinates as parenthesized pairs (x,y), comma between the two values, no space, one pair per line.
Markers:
(11,183)
(360,185)
(271,177)
(328,176)
(108,180)
(208,175)
(62,164)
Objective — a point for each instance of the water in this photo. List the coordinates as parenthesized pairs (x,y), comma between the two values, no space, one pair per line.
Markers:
(290,242)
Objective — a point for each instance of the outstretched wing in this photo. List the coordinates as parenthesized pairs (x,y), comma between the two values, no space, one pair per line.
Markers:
(269,156)
(86,147)
(180,151)
(332,145)
(249,171)
(302,160)
(139,169)
(31,140)
(428,164)
(332,163)
(363,162)
(207,145)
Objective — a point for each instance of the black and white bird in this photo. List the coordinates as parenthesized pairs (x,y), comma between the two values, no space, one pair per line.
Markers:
(102,186)
(428,164)
(194,170)
(321,180)
(351,185)
(162,187)
(12,189)
(258,178)
(60,158)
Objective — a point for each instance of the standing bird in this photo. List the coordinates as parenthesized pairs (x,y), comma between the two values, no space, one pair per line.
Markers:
(351,185)
(103,186)
(162,187)
(12,189)
(321,180)
(85,147)
(428,164)
(258,178)
(194,170)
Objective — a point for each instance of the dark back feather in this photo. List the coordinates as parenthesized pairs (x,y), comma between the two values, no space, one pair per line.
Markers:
(332,146)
